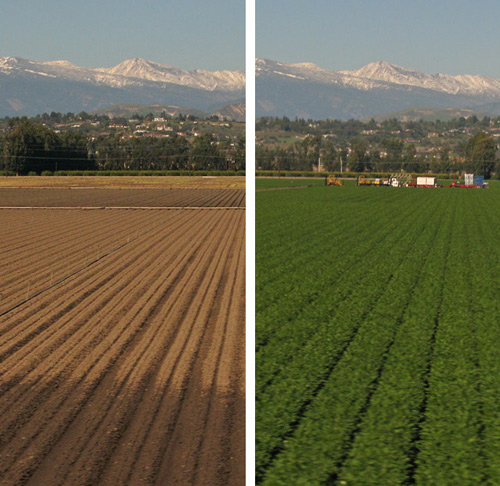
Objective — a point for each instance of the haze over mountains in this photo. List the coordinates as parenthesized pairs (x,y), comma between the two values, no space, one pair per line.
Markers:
(309,91)
(295,90)
(30,87)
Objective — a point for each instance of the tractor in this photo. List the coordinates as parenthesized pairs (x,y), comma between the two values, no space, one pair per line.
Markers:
(331,180)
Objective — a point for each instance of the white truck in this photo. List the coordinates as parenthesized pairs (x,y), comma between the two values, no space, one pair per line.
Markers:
(426,182)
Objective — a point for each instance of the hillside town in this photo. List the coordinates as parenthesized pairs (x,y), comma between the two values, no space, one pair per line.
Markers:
(54,142)
(414,146)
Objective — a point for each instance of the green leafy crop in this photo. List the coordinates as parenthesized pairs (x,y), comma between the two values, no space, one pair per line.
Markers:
(377,330)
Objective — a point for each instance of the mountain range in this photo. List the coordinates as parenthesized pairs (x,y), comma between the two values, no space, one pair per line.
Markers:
(30,87)
(308,91)
(295,90)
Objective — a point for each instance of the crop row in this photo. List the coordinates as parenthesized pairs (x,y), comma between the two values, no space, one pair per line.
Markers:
(45,246)
(88,197)
(454,448)
(380,322)
(130,371)
(380,367)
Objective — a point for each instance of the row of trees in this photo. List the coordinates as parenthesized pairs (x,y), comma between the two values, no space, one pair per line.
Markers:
(83,116)
(355,127)
(30,147)
(478,156)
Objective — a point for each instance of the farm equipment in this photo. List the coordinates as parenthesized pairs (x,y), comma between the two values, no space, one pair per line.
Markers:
(405,179)
(331,180)
(470,180)
(381,182)
(394,181)
(424,182)
(400,179)
(363,181)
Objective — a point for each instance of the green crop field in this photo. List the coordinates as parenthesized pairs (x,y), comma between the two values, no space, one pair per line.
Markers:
(275,182)
(378,336)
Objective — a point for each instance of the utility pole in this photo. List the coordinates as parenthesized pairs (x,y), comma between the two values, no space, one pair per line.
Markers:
(5,155)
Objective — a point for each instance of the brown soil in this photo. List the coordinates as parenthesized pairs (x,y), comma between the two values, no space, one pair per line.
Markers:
(130,371)
(214,182)
(71,197)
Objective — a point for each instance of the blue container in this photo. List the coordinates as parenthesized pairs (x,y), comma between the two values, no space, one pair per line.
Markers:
(479,180)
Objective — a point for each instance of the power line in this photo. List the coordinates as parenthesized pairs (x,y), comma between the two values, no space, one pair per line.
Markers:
(166,157)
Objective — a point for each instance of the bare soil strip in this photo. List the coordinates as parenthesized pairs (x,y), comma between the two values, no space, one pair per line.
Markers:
(123,207)
(120,182)
(106,197)
(130,371)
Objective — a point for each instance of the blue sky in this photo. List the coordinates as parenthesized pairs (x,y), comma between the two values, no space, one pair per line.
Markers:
(453,37)
(98,33)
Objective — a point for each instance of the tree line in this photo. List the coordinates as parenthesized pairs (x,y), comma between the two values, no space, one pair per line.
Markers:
(478,155)
(29,147)
(350,128)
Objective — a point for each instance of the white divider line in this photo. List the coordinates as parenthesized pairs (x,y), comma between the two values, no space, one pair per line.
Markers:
(154,208)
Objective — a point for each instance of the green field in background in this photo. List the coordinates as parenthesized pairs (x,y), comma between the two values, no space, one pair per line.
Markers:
(377,330)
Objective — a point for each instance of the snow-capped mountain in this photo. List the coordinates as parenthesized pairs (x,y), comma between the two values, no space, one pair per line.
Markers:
(461,84)
(304,71)
(377,74)
(151,71)
(27,86)
(376,88)
(129,72)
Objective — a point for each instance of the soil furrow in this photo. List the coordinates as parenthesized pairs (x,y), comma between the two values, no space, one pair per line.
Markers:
(149,336)
(116,418)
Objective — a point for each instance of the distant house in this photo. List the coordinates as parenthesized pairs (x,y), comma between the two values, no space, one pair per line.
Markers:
(156,135)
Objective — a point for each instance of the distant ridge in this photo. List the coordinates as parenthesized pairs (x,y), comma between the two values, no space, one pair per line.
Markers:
(126,110)
(309,91)
(233,111)
(29,87)
(151,71)
(429,114)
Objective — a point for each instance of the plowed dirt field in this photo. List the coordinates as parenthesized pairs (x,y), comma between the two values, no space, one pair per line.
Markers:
(122,342)
(91,197)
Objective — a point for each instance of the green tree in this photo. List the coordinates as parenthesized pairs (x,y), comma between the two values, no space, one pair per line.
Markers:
(444,160)
(329,156)
(30,147)
(205,154)
(394,150)
(480,154)
(239,155)
(358,158)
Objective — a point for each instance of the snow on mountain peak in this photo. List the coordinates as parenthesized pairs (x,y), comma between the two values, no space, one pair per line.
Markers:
(138,68)
(131,72)
(306,65)
(8,60)
(151,71)
(383,75)
(446,83)
(58,63)
(385,71)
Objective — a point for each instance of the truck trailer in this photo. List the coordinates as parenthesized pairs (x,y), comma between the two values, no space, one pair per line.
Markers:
(426,182)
